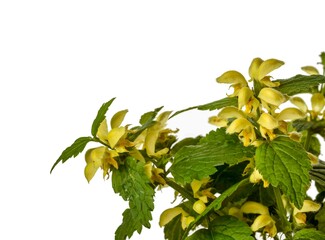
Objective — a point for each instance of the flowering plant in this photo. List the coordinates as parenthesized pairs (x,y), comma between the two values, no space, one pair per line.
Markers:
(247,179)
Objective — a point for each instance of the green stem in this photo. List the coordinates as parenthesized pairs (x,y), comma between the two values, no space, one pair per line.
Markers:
(308,140)
(282,213)
(186,194)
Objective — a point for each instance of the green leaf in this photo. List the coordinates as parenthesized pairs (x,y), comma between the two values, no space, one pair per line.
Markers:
(173,230)
(199,161)
(320,217)
(300,84)
(131,182)
(100,117)
(309,234)
(226,228)
(149,116)
(77,147)
(318,175)
(146,120)
(224,102)
(284,163)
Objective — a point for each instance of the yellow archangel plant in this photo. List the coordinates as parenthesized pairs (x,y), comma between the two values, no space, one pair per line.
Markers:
(248,178)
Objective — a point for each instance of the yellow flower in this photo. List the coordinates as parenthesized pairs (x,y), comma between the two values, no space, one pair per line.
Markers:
(256,177)
(271,98)
(153,134)
(290,114)
(300,103)
(153,174)
(99,157)
(115,138)
(267,124)
(259,69)
(203,194)
(236,79)
(317,104)
(221,120)
(308,206)
(251,207)
(263,220)
(266,222)
(171,213)
(246,99)
(244,128)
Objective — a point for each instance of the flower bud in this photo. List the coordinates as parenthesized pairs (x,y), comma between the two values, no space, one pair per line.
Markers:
(310,70)
(199,206)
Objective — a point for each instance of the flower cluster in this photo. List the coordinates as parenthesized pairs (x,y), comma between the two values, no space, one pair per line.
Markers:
(257,111)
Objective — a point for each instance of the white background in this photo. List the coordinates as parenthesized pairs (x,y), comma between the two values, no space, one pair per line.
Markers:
(60,60)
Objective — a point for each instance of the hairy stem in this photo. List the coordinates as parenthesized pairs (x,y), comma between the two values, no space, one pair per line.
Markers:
(282,213)
(186,194)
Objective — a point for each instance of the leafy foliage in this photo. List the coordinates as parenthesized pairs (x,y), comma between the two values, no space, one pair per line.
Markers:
(309,234)
(133,185)
(100,116)
(247,178)
(300,84)
(199,161)
(285,164)
(224,227)
(72,151)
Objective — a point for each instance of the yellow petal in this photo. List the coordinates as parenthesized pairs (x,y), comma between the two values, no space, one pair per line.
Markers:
(253,68)
(309,206)
(90,171)
(300,103)
(196,185)
(232,77)
(233,211)
(95,155)
(169,214)
(251,207)
(186,221)
(267,82)
(266,222)
(118,118)
(268,66)
(102,131)
(255,177)
(238,125)
(244,95)
(199,206)
(115,135)
(268,121)
(290,114)
(217,121)
(163,117)
(230,112)
(310,70)
(317,102)
(272,96)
